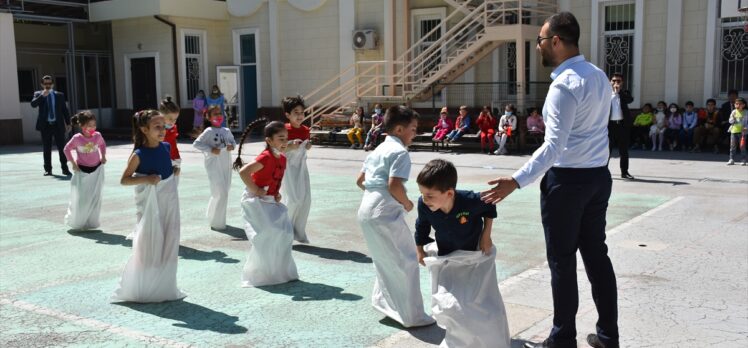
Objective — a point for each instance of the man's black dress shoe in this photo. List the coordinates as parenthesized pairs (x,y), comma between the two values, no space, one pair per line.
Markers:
(627,176)
(545,344)
(595,342)
(48,173)
(66,172)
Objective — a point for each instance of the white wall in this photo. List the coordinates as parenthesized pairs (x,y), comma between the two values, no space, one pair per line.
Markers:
(309,48)
(128,9)
(9,97)
(692,37)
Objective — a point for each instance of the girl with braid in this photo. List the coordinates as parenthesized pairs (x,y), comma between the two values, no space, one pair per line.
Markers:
(267,224)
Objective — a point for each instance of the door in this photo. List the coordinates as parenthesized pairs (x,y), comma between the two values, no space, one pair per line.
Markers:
(246,57)
(424,21)
(229,82)
(143,77)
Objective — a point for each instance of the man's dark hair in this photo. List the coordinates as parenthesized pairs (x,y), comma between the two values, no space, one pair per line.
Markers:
(438,174)
(615,74)
(689,103)
(711,100)
(732,91)
(47,78)
(565,26)
(398,116)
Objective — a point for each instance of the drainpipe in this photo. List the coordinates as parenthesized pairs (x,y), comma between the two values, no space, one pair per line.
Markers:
(176,58)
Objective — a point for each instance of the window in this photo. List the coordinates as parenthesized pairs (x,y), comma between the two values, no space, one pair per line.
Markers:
(511,66)
(27,84)
(618,41)
(192,62)
(733,58)
(193,73)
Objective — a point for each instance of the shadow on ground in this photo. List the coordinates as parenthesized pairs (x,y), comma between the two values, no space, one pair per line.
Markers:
(654,181)
(235,232)
(185,252)
(433,334)
(192,316)
(303,291)
(332,254)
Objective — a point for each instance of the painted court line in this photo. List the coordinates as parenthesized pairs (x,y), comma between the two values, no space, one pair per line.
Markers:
(92,323)
(635,220)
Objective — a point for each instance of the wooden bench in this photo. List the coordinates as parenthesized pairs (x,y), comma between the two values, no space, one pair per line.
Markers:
(333,130)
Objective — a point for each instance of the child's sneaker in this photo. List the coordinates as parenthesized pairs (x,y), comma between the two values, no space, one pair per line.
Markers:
(353,146)
(744,164)
(730,162)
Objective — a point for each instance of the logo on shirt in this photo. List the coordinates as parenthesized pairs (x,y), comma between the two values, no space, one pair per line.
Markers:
(88,147)
(462,217)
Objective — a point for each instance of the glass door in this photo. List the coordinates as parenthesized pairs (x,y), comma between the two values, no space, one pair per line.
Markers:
(229,82)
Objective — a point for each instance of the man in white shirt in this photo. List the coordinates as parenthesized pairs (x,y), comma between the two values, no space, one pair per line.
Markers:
(576,186)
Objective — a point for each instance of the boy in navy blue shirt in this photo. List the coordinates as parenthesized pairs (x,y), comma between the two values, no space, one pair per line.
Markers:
(465,295)
(461,220)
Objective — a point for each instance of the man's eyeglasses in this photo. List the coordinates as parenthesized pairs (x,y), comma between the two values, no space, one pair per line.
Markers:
(540,38)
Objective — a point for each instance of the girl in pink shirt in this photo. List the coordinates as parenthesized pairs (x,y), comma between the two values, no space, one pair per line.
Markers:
(89,145)
(88,178)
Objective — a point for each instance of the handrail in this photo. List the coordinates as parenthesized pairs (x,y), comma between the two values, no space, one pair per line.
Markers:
(460,27)
(406,78)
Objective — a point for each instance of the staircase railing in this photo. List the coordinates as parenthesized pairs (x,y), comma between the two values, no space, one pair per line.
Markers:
(419,67)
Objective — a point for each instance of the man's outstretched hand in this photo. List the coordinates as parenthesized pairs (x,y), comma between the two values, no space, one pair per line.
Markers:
(503,187)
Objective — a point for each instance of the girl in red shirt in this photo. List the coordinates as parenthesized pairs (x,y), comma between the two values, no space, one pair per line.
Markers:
(267,226)
(170,111)
(487,124)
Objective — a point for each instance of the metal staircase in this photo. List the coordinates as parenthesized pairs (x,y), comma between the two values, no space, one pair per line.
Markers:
(472,31)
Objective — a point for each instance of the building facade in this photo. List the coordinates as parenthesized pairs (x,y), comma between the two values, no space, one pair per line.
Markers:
(123,55)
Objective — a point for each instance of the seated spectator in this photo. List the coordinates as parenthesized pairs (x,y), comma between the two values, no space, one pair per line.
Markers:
(657,130)
(707,132)
(462,125)
(690,119)
(507,124)
(376,128)
(674,126)
(356,121)
(642,123)
(535,124)
(443,126)
(487,125)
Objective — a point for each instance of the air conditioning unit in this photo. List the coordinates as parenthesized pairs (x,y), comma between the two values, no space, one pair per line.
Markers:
(365,39)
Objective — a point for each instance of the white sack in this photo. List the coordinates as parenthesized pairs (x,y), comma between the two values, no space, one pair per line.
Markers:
(219,175)
(465,299)
(85,199)
(151,272)
(269,231)
(296,192)
(397,289)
